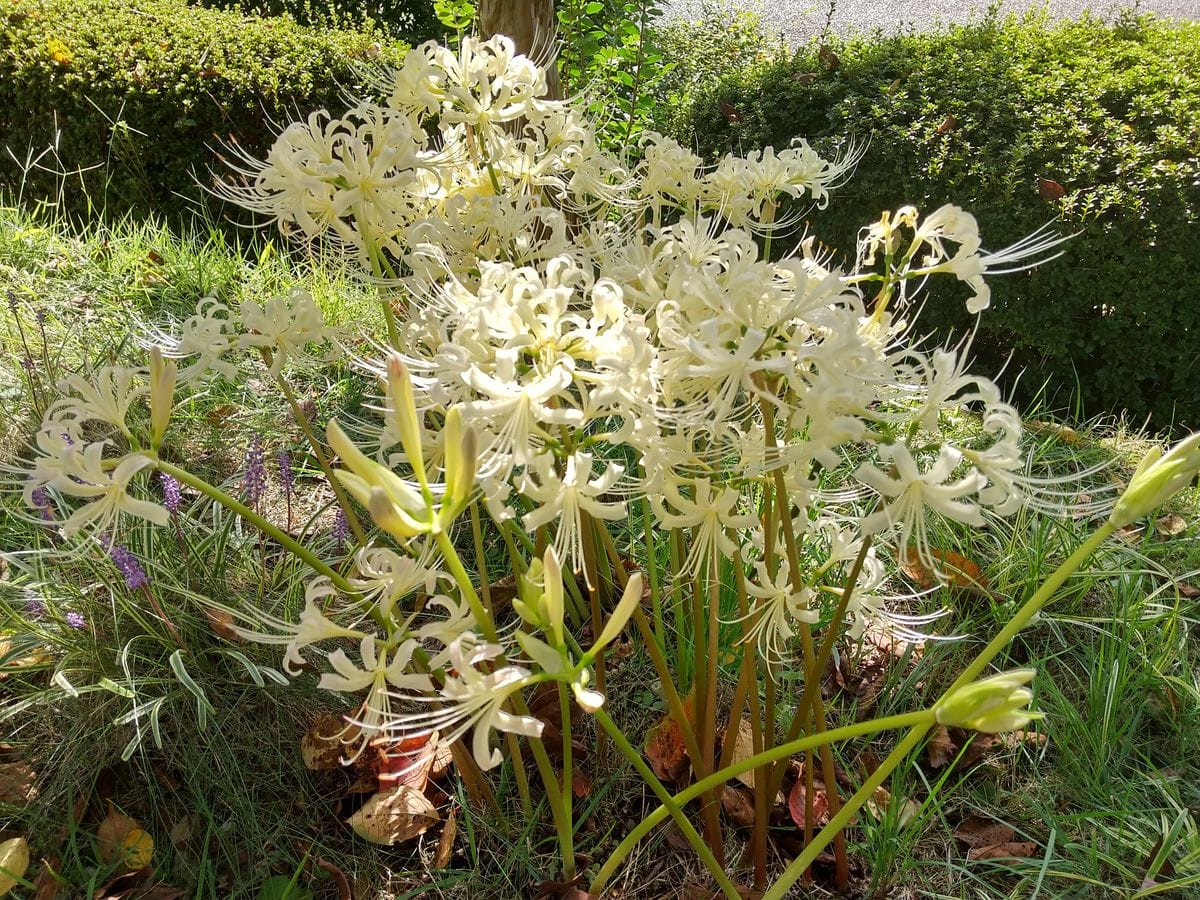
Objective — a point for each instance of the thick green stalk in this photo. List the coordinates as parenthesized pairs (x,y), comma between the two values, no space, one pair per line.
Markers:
(1022,618)
(672,808)
(712,782)
(465,586)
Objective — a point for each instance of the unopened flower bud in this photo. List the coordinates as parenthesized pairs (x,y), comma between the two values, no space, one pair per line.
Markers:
(163,374)
(993,705)
(1157,478)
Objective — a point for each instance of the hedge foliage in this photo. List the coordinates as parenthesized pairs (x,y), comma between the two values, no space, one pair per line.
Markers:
(138,96)
(1001,118)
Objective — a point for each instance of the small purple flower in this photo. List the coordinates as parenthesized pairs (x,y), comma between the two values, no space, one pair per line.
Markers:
(35,606)
(127,564)
(254,482)
(28,364)
(287,476)
(41,500)
(341,528)
(40,316)
(172,497)
(76,620)
(12,302)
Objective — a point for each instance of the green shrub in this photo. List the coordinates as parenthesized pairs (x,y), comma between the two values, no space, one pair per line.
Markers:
(409,20)
(137,97)
(999,117)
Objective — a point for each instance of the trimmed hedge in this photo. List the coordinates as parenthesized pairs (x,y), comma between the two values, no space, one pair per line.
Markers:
(140,92)
(1000,118)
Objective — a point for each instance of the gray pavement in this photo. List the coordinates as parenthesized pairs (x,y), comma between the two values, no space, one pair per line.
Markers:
(799,20)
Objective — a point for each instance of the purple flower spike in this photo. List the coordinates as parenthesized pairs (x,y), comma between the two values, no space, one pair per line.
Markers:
(41,499)
(127,564)
(341,528)
(172,497)
(76,620)
(287,476)
(254,482)
(35,606)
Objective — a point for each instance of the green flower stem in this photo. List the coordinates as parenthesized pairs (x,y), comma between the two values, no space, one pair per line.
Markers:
(465,586)
(279,536)
(315,443)
(1022,618)
(838,823)
(675,810)
(922,718)
(823,654)
(519,774)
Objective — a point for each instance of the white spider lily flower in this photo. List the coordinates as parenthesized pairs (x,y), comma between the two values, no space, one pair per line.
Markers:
(312,627)
(473,698)
(969,263)
(283,325)
(992,705)
(54,444)
(105,398)
(711,513)
(205,335)
(912,493)
(86,474)
(385,576)
(567,497)
(780,609)
(379,675)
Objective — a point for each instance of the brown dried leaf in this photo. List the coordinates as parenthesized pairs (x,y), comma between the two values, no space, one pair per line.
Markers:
(322,747)
(827,58)
(1050,190)
(18,783)
(940,749)
(408,762)
(666,751)
(798,798)
(976,831)
(221,624)
(738,804)
(731,114)
(445,847)
(581,784)
(1007,850)
(1187,591)
(948,124)
(393,817)
(1170,525)
(743,748)
(123,841)
(46,885)
(951,569)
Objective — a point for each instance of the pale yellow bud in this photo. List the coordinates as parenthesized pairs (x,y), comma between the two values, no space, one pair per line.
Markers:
(993,705)
(1157,478)
(163,373)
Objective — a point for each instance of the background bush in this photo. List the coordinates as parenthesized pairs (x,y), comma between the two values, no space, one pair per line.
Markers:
(999,118)
(412,21)
(135,96)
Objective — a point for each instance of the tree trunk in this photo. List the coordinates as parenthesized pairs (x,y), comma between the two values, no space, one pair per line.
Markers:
(532,25)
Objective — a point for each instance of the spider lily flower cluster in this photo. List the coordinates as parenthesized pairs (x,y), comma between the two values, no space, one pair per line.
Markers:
(581,341)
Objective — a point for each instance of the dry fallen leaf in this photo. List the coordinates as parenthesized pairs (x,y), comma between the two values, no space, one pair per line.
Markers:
(123,841)
(940,749)
(827,58)
(950,569)
(948,124)
(1170,525)
(322,747)
(1050,190)
(1187,591)
(14,860)
(881,802)
(738,804)
(987,839)
(398,815)
(743,748)
(221,623)
(798,798)
(18,783)
(408,762)
(666,750)
(581,784)
(445,847)
(339,879)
